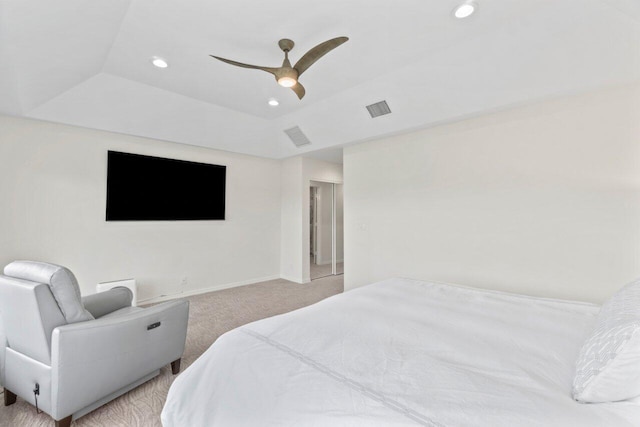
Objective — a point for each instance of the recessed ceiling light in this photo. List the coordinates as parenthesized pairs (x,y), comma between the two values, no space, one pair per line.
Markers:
(465,10)
(159,62)
(274,102)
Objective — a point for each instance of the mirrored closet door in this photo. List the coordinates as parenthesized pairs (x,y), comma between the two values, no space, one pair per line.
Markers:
(326,229)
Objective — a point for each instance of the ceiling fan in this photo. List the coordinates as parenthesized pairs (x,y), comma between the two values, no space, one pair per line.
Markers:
(286,75)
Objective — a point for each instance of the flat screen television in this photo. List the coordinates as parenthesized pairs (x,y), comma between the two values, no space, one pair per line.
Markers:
(145,188)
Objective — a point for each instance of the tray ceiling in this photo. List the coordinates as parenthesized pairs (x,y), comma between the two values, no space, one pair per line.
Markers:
(88,64)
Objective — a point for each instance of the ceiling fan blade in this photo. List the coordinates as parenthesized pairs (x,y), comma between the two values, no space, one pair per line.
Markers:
(318,52)
(240,64)
(299,90)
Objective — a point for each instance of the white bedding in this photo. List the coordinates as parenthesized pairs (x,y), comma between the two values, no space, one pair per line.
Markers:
(398,353)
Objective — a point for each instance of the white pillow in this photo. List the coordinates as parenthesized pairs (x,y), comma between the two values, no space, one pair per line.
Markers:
(608,368)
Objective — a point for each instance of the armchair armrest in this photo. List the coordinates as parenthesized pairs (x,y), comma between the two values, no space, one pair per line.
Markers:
(95,358)
(107,302)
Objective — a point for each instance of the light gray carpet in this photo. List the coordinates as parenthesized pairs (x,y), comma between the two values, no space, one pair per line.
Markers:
(210,315)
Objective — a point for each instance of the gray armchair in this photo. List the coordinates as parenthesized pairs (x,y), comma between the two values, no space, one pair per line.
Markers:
(75,354)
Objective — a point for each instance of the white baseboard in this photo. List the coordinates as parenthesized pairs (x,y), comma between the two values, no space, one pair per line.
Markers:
(220,287)
(292,279)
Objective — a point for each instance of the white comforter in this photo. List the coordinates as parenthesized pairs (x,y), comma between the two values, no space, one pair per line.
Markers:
(398,353)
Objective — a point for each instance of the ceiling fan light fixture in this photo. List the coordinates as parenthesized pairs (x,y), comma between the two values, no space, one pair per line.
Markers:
(465,9)
(287,81)
(159,62)
(287,76)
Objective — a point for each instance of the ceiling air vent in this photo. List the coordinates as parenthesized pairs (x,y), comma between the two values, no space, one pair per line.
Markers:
(378,109)
(296,135)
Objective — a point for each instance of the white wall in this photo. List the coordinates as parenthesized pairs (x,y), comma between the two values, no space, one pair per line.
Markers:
(296,177)
(52,191)
(541,200)
(292,221)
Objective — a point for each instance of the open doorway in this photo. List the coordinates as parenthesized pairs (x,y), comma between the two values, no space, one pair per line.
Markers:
(326,227)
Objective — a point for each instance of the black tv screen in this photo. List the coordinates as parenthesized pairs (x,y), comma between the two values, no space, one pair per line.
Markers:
(145,188)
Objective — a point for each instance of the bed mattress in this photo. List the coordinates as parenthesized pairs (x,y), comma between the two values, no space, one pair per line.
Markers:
(399,353)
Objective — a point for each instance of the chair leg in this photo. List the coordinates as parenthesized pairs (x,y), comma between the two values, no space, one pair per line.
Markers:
(9,398)
(65,422)
(175,366)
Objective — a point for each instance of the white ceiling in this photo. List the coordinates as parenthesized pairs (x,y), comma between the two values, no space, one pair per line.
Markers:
(88,64)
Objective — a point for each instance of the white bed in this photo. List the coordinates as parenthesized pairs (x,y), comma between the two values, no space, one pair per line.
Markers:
(399,353)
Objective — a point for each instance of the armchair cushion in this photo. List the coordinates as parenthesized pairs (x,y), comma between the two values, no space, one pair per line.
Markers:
(122,312)
(62,282)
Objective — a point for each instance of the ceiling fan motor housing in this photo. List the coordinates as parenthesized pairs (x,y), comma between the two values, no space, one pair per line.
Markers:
(286,77)
(286,44)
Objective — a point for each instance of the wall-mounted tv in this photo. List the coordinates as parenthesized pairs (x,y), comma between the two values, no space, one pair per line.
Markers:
(145,188)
